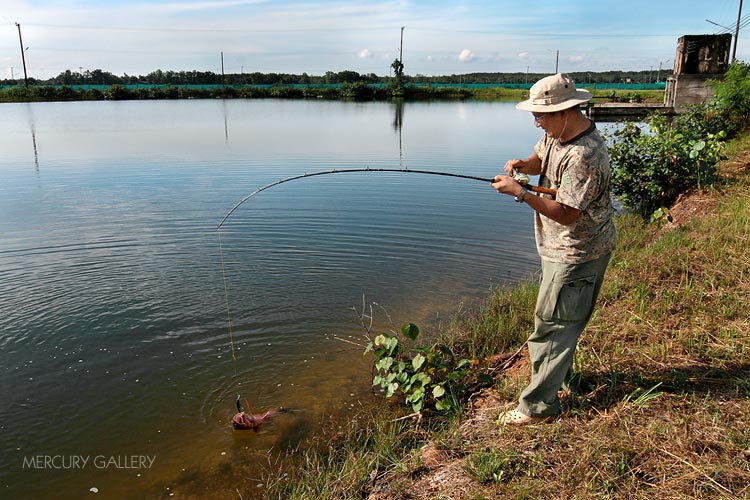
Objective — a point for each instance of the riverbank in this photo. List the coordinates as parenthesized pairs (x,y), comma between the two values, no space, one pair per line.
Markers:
(346,91)
(665,409)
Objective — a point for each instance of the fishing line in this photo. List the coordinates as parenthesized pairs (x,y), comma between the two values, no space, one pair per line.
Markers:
(226,295)
(536,189)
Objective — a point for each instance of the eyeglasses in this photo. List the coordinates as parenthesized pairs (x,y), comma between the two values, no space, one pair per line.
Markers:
(540,118)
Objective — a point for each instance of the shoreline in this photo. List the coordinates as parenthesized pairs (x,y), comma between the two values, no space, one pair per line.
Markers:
(350,92)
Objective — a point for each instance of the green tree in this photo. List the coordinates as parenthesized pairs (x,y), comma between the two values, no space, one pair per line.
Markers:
(732,97)
(398,69)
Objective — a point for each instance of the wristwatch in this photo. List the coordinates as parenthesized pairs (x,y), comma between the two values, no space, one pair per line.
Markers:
(522,194)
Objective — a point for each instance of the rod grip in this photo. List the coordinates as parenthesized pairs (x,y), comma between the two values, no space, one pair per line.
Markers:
(542,190)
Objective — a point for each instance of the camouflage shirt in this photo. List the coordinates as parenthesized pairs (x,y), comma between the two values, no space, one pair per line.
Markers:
(579,171)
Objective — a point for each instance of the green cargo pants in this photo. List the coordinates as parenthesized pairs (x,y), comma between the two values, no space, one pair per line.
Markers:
(567,295)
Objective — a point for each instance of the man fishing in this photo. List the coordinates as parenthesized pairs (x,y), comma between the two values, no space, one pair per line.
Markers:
(575,236)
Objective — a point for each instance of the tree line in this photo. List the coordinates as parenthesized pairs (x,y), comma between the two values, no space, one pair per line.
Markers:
(159,77)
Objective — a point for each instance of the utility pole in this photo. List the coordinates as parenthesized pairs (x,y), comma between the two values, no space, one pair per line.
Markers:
(401,50)
(23,56)
(557,60)
(223,81)
(736,32)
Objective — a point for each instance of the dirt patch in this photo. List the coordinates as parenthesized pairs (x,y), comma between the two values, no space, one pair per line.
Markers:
(688,206)
(699,203)
(737,167)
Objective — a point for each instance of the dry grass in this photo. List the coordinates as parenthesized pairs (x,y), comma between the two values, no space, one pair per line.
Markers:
(666,372)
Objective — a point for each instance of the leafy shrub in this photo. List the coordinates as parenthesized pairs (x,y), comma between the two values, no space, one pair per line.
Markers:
(356,90)
(426,376)
(731,97)
(93,94)
(115,93)
(652,168)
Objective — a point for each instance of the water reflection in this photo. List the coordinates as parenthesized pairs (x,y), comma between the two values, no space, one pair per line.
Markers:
(32,129)
(398,114)
(398,125)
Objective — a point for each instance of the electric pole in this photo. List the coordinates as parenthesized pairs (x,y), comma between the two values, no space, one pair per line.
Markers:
(401,50)
(23,56)
(736,32)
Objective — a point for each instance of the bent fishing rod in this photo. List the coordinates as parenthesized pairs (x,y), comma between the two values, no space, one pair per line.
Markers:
(521,178)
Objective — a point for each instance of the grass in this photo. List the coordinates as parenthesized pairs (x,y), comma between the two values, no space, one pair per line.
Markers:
(664,361)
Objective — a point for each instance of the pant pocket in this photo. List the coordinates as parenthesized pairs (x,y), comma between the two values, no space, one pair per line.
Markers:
(574,299)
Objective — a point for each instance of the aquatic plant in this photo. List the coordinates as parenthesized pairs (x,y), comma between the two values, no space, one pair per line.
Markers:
(426,376)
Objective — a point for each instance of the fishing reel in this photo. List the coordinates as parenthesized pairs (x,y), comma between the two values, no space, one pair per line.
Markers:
(519,177)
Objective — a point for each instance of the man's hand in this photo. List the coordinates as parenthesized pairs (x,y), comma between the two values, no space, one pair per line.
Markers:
(506,184)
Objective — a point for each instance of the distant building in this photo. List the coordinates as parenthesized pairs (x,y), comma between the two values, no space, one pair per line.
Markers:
(699,58)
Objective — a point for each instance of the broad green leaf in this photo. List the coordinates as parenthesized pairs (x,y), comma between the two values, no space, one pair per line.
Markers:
(438,391)
(418,395)
(384,363)
(391,344)
(410,330)
(417,362)
(391,389)
(442,405)
(420,377)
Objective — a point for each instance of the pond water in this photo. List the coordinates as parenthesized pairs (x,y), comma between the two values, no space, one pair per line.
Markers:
(116,328)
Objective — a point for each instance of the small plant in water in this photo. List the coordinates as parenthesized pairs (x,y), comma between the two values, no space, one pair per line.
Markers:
(426,376)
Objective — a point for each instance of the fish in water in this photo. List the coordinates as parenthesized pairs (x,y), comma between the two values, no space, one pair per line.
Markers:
(245,421)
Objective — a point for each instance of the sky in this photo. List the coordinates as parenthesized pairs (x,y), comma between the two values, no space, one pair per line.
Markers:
(440,37)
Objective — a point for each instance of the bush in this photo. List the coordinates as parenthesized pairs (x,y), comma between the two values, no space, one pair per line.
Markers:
(731,98)
(426,376)
(650,169)
(115,93)
(356,90)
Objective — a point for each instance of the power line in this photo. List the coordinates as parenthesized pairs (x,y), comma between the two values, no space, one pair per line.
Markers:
(303,29)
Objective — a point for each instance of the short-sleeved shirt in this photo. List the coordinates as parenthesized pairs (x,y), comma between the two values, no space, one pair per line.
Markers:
(579,171)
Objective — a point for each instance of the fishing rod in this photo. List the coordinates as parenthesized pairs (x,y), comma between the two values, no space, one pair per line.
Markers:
(520,178)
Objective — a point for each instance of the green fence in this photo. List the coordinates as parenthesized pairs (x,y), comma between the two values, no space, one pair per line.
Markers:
(615,86)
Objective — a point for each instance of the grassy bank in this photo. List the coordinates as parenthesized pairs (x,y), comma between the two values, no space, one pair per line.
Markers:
(665,410)
(355,91)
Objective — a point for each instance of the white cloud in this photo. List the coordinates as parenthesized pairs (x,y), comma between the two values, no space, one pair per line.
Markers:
(364,54)
(466,55)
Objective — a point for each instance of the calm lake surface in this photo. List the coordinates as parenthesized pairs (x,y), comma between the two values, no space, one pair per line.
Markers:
(114,328)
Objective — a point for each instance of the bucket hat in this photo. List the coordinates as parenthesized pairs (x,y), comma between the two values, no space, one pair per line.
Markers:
(554,93)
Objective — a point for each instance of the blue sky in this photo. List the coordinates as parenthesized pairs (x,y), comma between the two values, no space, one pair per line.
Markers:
(315,36)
